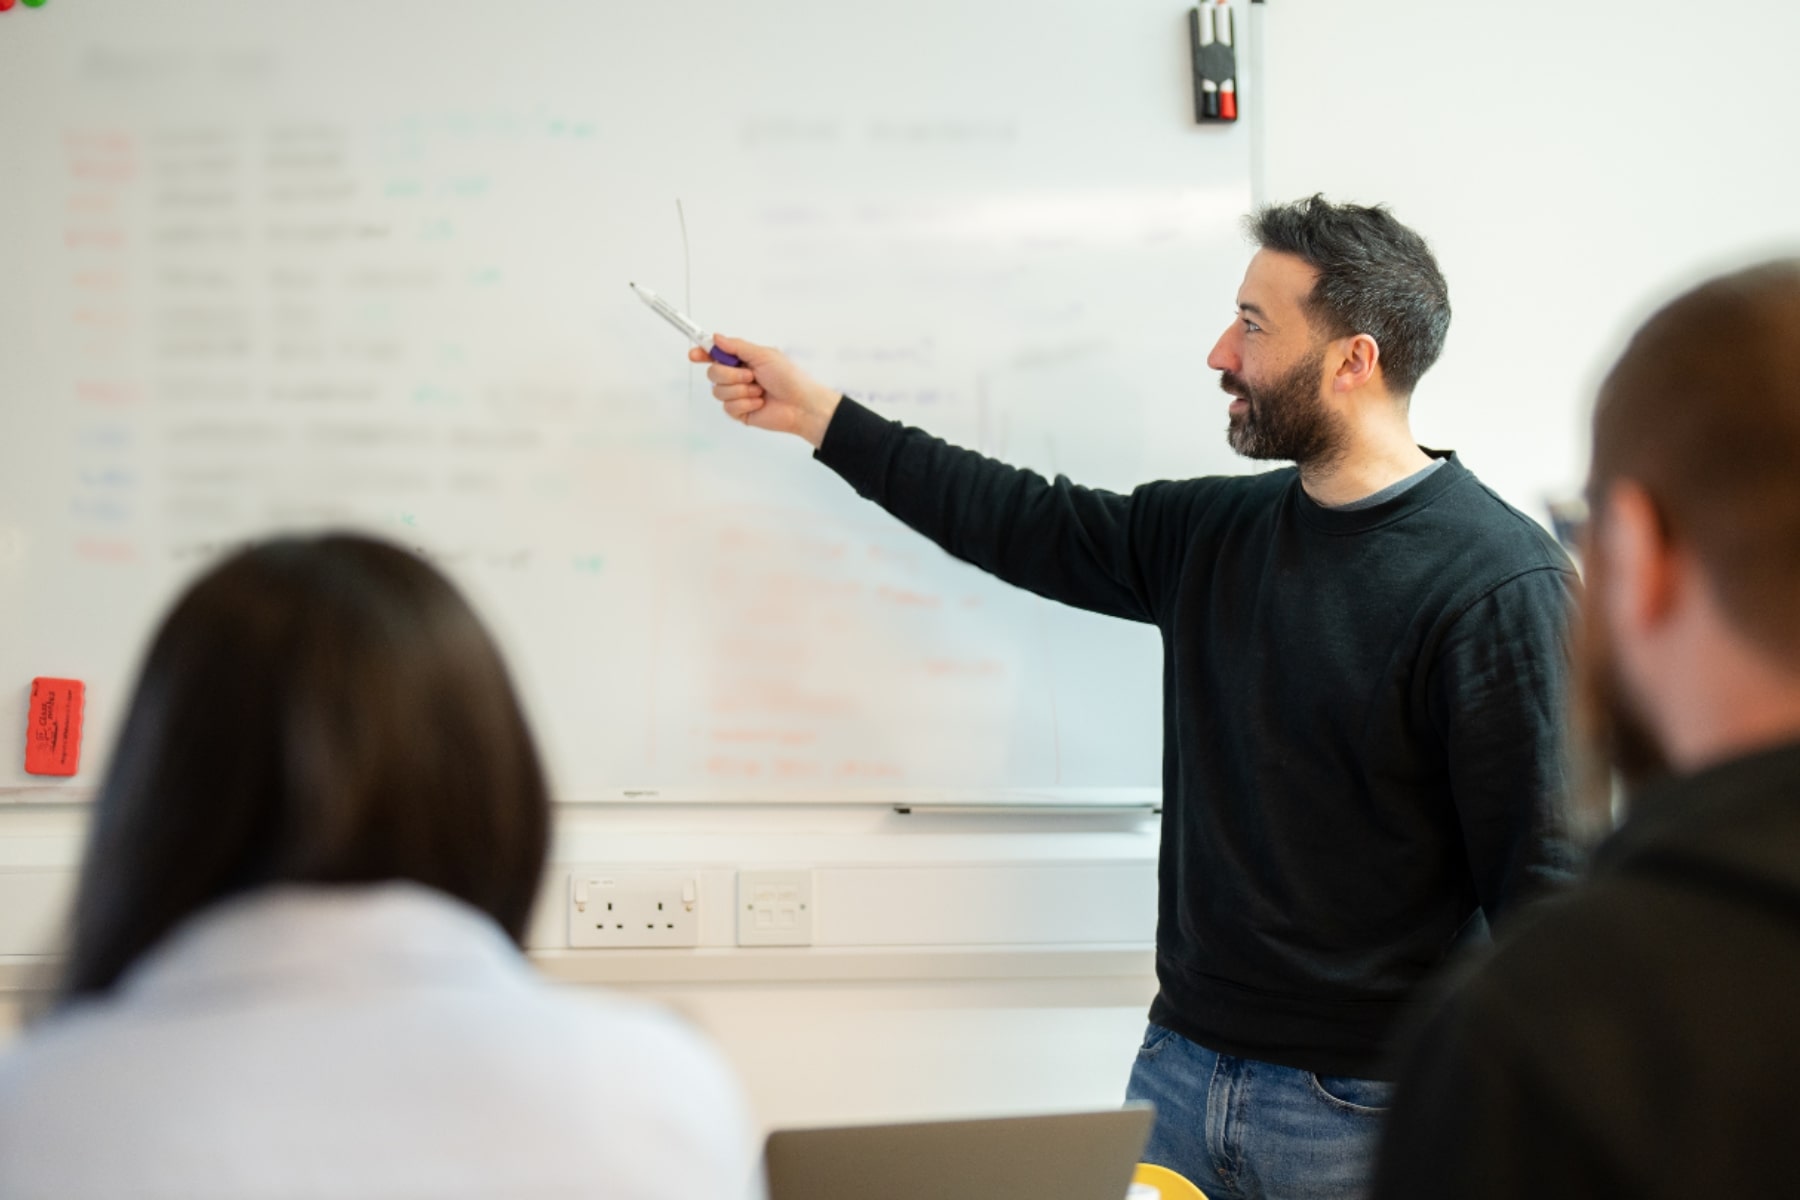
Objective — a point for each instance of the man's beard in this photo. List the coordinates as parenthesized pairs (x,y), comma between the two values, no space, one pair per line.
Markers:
(1610,722)
(1287,420)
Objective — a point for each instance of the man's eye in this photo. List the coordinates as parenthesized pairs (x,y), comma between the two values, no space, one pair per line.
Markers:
(1252,327)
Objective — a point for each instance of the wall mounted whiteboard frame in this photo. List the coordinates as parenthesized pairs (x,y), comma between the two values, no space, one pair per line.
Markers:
(1008,232)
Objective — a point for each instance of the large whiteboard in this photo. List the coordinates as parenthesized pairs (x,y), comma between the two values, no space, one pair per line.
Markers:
(273,266)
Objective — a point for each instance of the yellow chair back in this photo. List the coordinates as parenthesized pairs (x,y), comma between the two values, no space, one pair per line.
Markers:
(1169,1185)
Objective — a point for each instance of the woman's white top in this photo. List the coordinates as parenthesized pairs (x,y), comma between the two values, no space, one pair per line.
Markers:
(371,1042)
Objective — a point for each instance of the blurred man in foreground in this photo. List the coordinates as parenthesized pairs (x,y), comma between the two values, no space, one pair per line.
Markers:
(1637,1038)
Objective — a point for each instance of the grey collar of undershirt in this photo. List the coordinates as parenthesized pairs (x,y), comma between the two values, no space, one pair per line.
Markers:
(1390,491)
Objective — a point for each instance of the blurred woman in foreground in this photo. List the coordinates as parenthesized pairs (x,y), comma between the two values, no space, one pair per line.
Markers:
(295,962)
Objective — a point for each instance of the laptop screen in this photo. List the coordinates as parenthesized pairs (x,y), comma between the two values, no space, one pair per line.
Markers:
(1063,1156)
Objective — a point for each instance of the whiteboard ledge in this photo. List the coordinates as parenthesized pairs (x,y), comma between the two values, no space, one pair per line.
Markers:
(1123,799)
(47,794)
(1102,800)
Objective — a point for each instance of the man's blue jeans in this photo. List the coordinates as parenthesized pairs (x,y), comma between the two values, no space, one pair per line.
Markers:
(1247,1130)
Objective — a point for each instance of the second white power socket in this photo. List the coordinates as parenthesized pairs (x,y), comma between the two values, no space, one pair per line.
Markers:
(633,908)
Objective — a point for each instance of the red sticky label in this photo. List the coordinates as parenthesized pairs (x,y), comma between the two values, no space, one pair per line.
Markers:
(53,726)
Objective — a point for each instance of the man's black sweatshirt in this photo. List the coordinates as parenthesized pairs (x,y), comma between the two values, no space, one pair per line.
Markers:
(1363,718)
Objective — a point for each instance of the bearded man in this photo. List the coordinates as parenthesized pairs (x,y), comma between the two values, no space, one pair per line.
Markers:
(1637,1036)
(1364,665)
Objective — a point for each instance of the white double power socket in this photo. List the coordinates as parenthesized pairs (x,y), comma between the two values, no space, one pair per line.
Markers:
(633,908)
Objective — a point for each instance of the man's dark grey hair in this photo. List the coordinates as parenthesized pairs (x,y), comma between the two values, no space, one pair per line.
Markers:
(1376,276)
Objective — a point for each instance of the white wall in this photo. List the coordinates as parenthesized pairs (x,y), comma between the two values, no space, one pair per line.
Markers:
(1570,163)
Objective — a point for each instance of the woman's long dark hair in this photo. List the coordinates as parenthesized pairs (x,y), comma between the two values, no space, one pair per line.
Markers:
(313,710)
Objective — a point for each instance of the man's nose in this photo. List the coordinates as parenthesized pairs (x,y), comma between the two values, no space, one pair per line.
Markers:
(1224,356)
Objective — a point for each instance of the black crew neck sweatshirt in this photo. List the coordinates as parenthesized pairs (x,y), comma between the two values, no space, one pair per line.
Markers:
(1362,717)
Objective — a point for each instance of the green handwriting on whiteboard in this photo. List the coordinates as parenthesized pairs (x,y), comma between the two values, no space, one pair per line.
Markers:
(430,396)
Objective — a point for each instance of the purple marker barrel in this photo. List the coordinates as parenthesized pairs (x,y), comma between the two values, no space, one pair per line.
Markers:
(724,359)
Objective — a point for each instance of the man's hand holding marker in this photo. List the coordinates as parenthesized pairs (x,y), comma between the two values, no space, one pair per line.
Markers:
(769,391)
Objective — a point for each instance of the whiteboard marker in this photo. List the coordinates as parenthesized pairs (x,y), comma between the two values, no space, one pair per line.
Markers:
(693,332)
(1209,85)
(1228,85)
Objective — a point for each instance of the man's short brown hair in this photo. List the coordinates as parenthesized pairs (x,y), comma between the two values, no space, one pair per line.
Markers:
(1703,412)
(1375,276)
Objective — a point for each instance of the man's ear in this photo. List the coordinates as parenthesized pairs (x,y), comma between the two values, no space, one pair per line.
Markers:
(1643,570)
(1358,362)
